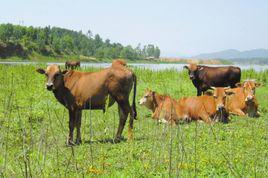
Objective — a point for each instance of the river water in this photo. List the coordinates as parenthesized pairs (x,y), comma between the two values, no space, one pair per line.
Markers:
(152,66)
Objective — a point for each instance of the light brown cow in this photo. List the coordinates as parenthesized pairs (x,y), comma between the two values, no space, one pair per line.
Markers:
(244,101)
(209,107)
(90,90)
(206,108)
(72,64)
(162,106)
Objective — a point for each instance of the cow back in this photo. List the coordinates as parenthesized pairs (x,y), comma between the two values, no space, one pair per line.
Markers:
(219,76)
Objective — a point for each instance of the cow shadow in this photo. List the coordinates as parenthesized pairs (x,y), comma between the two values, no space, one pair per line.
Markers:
(112,140)
(106,140)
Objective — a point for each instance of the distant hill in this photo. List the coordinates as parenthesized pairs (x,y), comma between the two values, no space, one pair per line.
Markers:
(234,54)
(28,42)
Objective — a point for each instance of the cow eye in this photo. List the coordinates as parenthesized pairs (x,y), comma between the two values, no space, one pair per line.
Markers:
(215,96)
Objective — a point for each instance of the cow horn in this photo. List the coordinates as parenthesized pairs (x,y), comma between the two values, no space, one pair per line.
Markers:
(185,67)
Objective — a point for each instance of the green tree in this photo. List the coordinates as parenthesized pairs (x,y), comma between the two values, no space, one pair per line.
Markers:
(60,41)
(6,32)
(98,41)
(128,53)
(156,52)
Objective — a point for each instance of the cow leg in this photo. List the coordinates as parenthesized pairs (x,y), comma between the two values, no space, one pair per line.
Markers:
(257,114)
(205,117)
(71,127)
(78,126)
(232,85)
(238,112)
(123,109)
(199,92)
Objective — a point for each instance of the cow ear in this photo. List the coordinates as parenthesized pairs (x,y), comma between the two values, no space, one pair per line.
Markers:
(200,68)
(208,93)
(64,72)
(186,67)
(213,88)
(41,71)
(238,84)
(148,90)
(258,84)
(153,94)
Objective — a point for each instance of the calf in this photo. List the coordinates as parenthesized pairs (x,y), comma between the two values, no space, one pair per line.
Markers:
(244,101)
(90,90)
(204,77)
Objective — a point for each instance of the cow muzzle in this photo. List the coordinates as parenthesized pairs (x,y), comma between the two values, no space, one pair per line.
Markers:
(142,101)
(192,77)
(49,86)
(249,98)
(220,107)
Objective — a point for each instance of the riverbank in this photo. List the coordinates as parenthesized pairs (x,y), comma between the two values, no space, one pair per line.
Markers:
(35,57)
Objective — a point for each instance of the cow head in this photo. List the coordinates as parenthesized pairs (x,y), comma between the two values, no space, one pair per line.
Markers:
(148,99)
(193,70)
(54,76)
(249,87)
(220,94)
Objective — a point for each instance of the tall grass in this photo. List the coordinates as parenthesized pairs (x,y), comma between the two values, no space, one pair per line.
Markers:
(34,128)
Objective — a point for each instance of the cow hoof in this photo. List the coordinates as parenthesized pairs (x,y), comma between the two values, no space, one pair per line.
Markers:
(70,143)
(118,139)
(78,141)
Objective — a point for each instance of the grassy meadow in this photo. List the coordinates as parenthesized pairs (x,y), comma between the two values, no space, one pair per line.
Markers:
(34,129)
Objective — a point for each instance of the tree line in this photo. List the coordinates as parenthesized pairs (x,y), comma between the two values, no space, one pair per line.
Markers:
(55,41)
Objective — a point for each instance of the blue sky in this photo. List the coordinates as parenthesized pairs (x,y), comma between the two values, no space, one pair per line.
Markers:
(178,27)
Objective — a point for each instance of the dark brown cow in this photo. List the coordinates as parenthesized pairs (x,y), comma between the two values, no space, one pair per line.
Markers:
(90,90)
(72,64)
(206,108)
(204,77)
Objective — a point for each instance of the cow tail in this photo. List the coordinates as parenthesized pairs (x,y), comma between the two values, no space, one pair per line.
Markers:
(134,111)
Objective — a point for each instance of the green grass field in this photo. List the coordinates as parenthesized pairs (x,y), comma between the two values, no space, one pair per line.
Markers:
(34,129)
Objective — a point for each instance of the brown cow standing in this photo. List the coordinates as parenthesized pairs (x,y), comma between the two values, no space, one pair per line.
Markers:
(204,77)
(244,101)
(90,90)
(205,108)
(72,64)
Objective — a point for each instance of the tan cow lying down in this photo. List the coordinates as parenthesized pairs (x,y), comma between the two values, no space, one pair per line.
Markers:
(244,101)
(90,90)
(161,106)
(206,108)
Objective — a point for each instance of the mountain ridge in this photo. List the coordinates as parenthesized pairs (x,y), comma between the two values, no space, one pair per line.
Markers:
(234,54)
